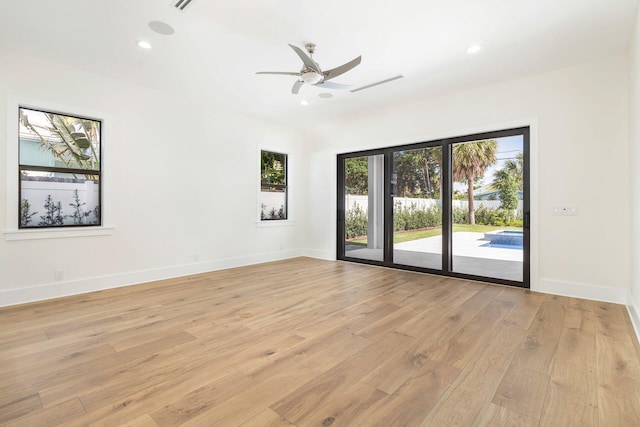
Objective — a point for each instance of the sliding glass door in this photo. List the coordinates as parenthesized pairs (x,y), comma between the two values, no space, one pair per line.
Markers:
(416,193)
(363,237)
(487,208)
(457,207)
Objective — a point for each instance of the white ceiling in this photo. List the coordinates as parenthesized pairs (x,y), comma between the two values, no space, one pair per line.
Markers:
(219,45)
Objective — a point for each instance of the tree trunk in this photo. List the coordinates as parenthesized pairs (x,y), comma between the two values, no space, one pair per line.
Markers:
(427,178)
(472,210)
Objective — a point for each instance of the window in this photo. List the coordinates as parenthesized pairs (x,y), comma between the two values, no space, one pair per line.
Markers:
(273,186)
(59,170)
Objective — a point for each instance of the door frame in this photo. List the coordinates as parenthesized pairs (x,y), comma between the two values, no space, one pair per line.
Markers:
(446,145)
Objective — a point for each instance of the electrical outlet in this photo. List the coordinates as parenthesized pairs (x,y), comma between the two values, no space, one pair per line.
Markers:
(565,211)
(58,274)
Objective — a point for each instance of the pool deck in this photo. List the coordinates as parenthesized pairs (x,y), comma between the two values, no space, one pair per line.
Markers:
(464,244)
(470,256)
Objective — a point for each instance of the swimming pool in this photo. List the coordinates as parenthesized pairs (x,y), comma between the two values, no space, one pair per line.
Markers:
(510,239)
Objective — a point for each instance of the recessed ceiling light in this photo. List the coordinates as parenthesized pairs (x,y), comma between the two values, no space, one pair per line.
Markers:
(144,44)
(474,48)
(161,28)
(304,103)
(325,95)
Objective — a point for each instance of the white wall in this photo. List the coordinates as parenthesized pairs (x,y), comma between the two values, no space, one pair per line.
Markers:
(168,164)
(579,144)
(159,147)
(634,164)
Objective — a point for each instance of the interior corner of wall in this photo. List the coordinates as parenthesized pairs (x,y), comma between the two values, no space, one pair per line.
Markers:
(633,307)
(319,254)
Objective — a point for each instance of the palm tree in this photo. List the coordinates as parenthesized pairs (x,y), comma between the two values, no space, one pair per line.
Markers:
(470,160)
(73,141)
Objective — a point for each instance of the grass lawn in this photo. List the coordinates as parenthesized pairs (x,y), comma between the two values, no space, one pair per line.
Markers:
(406,236)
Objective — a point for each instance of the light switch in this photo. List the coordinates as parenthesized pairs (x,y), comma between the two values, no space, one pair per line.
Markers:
(565,210)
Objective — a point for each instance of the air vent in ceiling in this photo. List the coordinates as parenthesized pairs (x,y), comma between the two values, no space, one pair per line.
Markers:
(399,76)
(181,4)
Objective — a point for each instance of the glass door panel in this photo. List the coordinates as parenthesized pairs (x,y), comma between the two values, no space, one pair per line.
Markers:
(487,208)
(417,207)
(364,207)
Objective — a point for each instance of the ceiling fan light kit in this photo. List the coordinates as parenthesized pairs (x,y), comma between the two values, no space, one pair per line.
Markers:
(311,77)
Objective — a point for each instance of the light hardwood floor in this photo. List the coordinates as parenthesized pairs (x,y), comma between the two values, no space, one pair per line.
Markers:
(315,343)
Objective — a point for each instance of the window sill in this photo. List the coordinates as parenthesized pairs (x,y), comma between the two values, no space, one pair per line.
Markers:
(275,223)
(53,233)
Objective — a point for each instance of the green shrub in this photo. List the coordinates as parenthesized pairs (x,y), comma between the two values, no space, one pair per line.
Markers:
(53,213)
(25,213)
(498,217)
(460,215)
(356,222)
(488,216)
(411,217)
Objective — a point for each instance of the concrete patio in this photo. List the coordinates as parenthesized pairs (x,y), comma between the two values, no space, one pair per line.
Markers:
(470,256)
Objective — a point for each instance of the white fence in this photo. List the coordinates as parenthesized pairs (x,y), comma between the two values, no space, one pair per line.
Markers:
(352,200)
(272,202)
(36,193)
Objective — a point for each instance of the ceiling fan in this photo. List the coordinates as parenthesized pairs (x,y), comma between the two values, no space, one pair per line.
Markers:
(311,73)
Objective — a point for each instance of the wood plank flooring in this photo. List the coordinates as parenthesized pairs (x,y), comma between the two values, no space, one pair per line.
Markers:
(306,342)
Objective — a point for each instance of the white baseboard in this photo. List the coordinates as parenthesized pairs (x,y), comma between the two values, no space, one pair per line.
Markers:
(634,313)
(91,284)
(318,254)
(582,290)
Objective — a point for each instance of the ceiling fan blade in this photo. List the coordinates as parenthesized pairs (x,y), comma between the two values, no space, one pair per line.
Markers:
(296,87)
(306,59)
(335,72)
(280,73)
(332,85)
